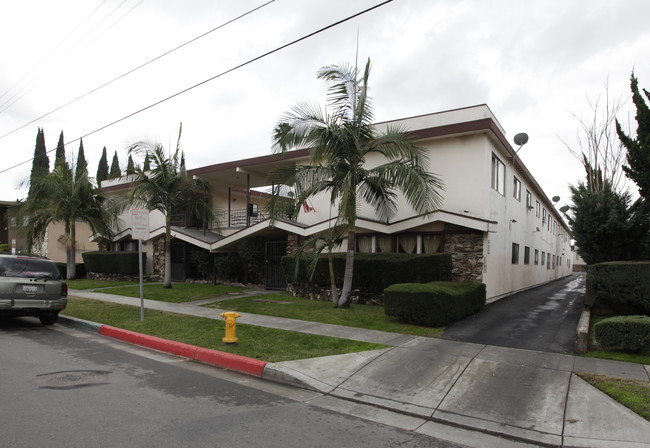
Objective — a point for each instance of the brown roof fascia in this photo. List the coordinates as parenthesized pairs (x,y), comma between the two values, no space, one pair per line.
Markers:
(249,162)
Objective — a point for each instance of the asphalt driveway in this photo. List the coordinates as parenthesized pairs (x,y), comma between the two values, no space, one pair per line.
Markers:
(544,318)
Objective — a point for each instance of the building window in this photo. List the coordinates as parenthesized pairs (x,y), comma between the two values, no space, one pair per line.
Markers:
(516,189)
(548,262)
(526,255)
(498,174)
(364,244)
(536,257)
(12,221)
(537,208)
(515,253)
(529,200)
(543,259)
(384,244)
(543,216)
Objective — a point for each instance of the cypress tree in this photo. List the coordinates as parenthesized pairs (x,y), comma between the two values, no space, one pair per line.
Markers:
(40,163)
(59,158)
(638,149)
(147,163)
(115,168)
(102,168)
(130,167)
(82,164)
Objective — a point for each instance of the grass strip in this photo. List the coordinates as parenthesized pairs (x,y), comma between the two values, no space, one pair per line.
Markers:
(86,284)
(635,395)
(180,293)
(255,342)
(359,316)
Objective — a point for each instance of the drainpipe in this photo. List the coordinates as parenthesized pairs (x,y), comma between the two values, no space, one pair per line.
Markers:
(229,206)
(248,200)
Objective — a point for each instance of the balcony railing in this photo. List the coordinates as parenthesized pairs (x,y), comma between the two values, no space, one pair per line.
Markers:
(238,218)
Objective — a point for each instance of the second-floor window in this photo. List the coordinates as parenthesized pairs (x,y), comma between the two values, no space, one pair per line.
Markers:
(516,189)
(529,200)
(498,175)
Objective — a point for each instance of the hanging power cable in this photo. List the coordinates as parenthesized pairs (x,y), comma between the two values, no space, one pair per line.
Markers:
(250,61)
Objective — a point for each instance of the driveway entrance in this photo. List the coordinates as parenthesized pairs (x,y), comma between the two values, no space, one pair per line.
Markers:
(543,318)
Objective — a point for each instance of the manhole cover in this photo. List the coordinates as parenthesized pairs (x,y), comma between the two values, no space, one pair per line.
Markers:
(72,379)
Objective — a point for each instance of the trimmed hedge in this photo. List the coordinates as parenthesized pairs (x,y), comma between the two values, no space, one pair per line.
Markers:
(625,333)
(433,304)
(113,262)
(373,272)
(79,269)
(625,286)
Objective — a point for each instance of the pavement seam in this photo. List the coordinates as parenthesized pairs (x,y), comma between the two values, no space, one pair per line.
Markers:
(566,404)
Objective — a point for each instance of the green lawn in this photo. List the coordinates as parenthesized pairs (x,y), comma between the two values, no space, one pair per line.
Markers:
(360,316)
(255,342)
(83,283)
(633,394)
(178,293)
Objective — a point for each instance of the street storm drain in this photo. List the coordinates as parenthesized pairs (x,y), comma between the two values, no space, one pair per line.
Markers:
(72,379)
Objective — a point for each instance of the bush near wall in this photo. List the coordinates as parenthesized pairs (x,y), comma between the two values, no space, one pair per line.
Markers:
(113,262)
(79,269)
(373,272)
(625,286)
(625,333)
(434,304)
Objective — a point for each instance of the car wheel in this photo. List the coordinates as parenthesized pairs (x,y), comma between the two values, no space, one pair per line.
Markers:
(48,317)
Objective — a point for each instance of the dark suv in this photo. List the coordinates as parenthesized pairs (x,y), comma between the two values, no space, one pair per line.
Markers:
(31,286)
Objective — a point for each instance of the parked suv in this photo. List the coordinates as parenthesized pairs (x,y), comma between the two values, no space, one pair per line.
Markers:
(31,286)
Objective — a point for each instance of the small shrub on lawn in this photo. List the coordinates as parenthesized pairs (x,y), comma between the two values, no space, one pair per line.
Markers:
(433,304)
(625,333)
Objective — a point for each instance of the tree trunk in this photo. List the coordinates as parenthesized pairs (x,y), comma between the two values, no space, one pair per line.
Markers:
(346,291)
(71,253)
(335,292)
(167,283)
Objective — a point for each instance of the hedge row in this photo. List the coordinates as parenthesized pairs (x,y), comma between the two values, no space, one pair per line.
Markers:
(434,304)
(622,285)
(113,262)
(372,272)
(626,333)
(79,269)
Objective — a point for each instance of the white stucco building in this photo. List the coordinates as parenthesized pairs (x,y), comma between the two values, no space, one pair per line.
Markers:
(495,220)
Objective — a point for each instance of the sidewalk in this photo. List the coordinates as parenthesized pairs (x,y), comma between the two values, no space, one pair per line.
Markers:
(522,395)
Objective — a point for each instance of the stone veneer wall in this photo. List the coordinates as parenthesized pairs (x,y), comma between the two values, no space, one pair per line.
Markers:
(158,261)
(466,249)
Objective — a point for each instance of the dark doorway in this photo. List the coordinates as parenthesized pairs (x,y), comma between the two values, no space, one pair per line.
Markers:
(274,276)
(179,259)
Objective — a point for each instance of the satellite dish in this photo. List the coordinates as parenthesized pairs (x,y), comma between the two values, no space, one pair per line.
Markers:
(555,198)
(521,139)
(564,208)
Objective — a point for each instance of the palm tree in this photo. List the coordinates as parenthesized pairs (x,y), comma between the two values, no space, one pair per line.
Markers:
(62,197)
(168,188)
(316,244)
(340,137)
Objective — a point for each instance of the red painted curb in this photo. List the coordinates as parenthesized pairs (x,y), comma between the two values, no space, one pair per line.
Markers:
(220,359)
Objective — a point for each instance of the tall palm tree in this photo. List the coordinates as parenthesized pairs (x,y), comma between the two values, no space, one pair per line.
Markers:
(62,197)
(168,188)
(340,138)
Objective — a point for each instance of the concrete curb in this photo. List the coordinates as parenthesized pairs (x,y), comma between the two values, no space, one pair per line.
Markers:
(582,336)
(216,358)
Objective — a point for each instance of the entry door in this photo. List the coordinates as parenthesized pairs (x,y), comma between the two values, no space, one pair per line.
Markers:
(275,278)
(178,261)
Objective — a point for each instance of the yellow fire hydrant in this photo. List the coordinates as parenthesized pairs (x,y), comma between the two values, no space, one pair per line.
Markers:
(230,317)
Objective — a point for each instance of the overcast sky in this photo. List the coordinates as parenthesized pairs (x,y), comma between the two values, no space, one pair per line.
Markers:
(534,63)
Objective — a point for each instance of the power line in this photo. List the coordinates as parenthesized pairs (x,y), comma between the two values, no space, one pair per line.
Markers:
(237,67)
(136,68)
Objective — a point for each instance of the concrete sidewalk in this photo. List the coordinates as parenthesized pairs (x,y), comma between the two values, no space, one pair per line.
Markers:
(525,396)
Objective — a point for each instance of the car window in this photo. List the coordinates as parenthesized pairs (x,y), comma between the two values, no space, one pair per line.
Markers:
(28,268)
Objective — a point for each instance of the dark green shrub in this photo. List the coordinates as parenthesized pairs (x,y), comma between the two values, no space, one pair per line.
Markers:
(113,262)
(625,286)
(625,333)
(433,304)
(373,272)
(229,267)
(79,269)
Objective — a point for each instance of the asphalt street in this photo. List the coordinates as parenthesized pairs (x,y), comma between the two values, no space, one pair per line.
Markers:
(68,388)
(543,319)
